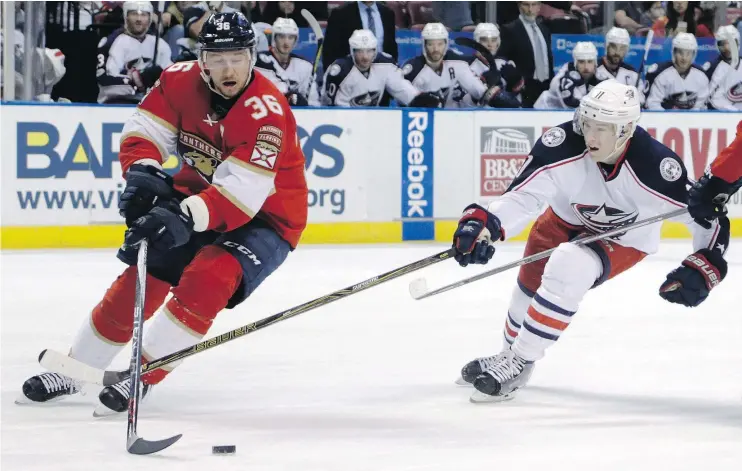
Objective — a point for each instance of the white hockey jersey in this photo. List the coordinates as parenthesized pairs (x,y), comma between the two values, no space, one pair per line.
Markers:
(345,85)
(297,78)
(725,85)
(649,179)
(667,90)
(566,89)
(452,84)
(511,79)
(118,54)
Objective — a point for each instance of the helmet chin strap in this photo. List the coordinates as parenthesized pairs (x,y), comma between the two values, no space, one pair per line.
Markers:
(618,149)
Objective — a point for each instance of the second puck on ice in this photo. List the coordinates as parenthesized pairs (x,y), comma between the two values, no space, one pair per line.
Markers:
(223,449)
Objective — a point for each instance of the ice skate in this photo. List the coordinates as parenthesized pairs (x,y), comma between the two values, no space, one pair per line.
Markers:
(476,367)
(115,399)
(504,374)
(47,388)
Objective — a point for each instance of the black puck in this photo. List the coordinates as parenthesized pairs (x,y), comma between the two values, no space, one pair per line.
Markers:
(223,449)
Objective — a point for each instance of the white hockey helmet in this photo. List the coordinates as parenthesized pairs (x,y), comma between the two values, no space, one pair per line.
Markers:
(285,26)
(686,42)
(618,36)
(727,33)
(584,51)
(139,7)
(433,31)
(362,39)
(486,30)
(612,102)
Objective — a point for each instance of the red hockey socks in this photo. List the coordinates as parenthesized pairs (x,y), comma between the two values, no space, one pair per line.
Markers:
(206,286)
(109,328)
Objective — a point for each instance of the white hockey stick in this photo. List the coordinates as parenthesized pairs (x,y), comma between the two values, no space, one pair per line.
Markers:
(317,30)
(647,47)
(419,287)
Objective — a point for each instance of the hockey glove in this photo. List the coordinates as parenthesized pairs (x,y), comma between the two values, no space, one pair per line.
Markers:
(147,77)
(707,199)
(165,227)
(473,237)
(426,100)
(691,283)
(144,184)
(296,99)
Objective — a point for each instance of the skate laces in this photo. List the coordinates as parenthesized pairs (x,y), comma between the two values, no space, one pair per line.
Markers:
(505,366)
(123,387)
(54,382)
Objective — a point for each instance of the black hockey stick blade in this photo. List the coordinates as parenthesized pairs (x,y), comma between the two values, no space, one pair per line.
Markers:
(472,44)
(137,445)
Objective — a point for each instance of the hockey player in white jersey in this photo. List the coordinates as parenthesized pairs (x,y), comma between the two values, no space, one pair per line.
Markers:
(725,72)
(612,65)
(573,81)
(292,74)
(678,84)
(445,73)
(126,63)
(596,172)
(361,78)
(504,73)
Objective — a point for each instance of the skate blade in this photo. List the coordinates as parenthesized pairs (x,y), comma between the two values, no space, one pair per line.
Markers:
(461,382)
(102,411)
(481,398)
(22,400)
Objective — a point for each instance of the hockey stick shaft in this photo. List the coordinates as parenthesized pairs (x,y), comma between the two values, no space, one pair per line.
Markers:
(63,364)
(135,444)
(317,30)
(546,253)
(647,47)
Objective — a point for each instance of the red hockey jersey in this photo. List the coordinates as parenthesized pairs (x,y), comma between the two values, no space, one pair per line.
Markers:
(728,164)
(248,164)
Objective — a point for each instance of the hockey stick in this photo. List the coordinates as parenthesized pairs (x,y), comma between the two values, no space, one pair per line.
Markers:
(647,47)
(63,364)
(317,30)
(134,443)
(419,287)
(472,44)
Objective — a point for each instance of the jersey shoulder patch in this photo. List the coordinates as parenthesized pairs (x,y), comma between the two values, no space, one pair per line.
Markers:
(413,67)
(339,69)
(655,70)
(106,43)
(455,56)
(657,166)
(263,61)
(555,145)
(299,58)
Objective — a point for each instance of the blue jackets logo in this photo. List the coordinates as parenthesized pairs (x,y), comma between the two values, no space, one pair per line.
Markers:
(417,175)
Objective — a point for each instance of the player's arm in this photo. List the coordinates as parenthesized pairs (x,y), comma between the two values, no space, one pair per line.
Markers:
(705,268)
(147,140)
(245,179)
(656,89)
(469,82)
(332,93)
(703,92)
(708,197)
(111,81)
(566,89)
(513,78)
(400,88)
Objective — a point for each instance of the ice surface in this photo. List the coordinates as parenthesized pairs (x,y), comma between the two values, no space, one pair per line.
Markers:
(367,383)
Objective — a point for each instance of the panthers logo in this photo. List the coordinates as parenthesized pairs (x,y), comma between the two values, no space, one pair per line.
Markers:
(206,166)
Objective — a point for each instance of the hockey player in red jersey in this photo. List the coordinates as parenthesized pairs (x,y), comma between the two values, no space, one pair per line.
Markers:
(596,173)
(218,228)
(709,195)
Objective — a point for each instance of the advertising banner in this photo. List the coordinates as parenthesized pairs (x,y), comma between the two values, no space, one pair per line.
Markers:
(60,164)
(417,175)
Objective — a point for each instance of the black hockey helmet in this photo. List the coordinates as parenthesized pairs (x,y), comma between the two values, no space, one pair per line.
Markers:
(227,31)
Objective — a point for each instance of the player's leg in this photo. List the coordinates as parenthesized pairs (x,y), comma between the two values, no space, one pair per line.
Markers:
(547,232)
(569,274)
(222,274)
(108,328)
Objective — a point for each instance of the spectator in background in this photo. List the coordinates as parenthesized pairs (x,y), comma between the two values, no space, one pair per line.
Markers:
(274,10)
(343,20)
(455,15)
(172,23)
(528,44)
(680,18)
(655,11)
(629,15)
